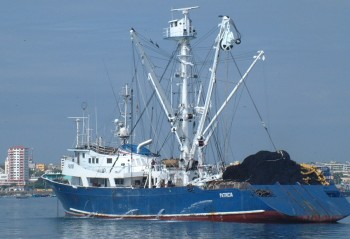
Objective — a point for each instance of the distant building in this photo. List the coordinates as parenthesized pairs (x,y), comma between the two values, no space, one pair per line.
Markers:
(53,167)
(3,177)
(40,167)
(343,168)
(17,168)
(31,164)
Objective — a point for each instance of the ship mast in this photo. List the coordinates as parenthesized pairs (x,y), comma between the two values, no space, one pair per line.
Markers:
(227,37)
(122,128)
(183,32)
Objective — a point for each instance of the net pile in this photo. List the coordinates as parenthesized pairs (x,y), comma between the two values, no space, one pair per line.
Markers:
(265,168)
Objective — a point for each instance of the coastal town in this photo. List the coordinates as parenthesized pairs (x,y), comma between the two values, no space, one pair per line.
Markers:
(20,174)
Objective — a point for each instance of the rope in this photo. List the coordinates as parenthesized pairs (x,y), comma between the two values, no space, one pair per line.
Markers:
(150,98)
(255,106)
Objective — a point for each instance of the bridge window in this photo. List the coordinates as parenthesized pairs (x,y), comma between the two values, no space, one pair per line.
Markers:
(119,181)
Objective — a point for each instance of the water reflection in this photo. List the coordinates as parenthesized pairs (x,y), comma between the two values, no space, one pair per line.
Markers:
(91,228)
(42,218)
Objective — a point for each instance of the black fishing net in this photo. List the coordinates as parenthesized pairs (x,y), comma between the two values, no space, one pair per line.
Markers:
(264,168)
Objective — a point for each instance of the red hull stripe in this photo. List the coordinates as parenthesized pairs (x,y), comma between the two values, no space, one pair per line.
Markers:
(246,216)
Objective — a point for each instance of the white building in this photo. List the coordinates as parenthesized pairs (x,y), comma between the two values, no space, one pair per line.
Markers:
(335,167)
(3,177)
(17,165)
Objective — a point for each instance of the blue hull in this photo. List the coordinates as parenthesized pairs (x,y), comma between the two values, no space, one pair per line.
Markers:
(258,203)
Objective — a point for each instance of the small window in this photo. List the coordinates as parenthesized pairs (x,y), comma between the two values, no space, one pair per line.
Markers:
(93,160)
(137,182)
(119,181)
(89,160)
(83,155)
(109,160)
(96,160)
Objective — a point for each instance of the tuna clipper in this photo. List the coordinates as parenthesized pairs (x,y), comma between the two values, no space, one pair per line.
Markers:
(185,101)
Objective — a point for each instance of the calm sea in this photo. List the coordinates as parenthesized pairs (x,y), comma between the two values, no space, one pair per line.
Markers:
(44,218)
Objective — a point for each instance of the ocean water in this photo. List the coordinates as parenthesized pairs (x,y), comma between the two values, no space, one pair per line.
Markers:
(44,218)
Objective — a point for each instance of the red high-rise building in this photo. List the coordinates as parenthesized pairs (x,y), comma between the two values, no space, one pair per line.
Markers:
(18,169)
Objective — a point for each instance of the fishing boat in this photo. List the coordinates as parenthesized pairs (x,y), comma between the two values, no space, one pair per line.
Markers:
(128,180)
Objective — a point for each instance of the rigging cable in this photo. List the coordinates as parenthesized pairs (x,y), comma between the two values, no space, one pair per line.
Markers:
(166,139)
(153,93)
(256,108)
(111,85)
(113,91)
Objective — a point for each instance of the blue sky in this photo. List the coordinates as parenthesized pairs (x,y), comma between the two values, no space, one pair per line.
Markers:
(54,55)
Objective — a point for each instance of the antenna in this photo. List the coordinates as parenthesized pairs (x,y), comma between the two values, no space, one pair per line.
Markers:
(184,10)
(96,118)
(77,121)
(122,127)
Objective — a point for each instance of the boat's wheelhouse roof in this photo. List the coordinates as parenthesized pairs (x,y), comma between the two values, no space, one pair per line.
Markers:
(133,149)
